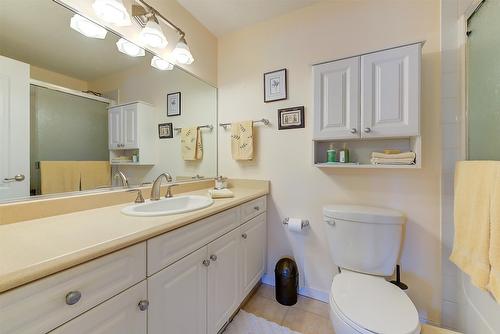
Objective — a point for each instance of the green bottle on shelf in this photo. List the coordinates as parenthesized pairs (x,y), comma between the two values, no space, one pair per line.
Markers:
(331,154)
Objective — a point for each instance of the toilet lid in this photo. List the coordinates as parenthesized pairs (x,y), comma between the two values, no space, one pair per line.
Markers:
(374,304)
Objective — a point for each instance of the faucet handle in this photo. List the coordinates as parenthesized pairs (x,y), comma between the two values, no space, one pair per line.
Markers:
(139,198)
(169,190)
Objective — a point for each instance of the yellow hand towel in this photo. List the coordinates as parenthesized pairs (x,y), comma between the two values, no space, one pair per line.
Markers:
(191,144)
(494,283)
(404,155)
(94,174)
(59,177)
(220,193)
(473,190)
(242,140)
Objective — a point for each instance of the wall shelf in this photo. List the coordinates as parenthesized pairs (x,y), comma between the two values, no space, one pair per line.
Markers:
(131,164)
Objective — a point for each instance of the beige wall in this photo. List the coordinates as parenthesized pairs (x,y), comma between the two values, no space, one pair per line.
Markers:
(202,43)
(55,78)
(322,32)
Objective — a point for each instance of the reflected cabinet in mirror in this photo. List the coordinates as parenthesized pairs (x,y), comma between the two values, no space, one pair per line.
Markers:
(76,114)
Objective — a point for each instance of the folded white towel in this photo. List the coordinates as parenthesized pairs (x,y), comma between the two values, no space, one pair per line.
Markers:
(381,161)
(404,155)
(220,193)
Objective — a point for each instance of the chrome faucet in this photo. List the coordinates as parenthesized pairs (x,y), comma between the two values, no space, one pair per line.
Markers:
(155,189)
(122,177)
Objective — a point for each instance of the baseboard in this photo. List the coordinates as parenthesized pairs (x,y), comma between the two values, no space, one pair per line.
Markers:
(304,291)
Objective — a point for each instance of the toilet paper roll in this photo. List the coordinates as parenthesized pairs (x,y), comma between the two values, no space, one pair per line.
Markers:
(295,224)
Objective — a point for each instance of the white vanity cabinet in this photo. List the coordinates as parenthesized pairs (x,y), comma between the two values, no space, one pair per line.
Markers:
(376,95)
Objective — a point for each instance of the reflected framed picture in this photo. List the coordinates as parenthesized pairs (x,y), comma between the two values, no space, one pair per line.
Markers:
(275,85)
(291,118)
(166,130)
(174,104)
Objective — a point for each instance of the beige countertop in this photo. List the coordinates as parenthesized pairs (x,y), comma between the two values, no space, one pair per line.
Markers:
(37,248)
(428,329)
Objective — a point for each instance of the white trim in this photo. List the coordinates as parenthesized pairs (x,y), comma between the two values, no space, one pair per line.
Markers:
(304,291)
(70,91)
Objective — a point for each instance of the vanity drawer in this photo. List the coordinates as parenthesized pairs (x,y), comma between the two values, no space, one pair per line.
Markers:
(253,208)
(167,248)
(47,303)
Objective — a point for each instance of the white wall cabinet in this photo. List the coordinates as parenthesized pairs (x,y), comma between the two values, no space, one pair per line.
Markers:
(133,127)
(376,95)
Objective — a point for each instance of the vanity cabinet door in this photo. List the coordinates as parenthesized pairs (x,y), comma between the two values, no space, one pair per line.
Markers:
(115,128)
(336,99)
(252,252)
(130,126)
(178,296)
(223,280)
(390,82)
(121,314)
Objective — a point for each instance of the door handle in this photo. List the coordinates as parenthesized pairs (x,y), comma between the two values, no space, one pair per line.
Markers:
(18,178)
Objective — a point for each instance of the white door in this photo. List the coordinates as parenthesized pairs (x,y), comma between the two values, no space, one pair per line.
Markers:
(178,297)
(390,82)
(223,280)
(115,126)
(253,252)
(336,99)
(130,126)
(121,314)
(14,128)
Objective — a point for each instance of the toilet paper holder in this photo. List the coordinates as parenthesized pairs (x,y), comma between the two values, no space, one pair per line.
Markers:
(305,222)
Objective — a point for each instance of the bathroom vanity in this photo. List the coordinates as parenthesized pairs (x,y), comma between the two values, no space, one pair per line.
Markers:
(186,273)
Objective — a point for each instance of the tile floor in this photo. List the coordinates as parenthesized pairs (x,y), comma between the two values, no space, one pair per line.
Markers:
(308,316)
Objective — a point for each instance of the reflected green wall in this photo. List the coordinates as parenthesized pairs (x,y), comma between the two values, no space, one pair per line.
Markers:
(484,83)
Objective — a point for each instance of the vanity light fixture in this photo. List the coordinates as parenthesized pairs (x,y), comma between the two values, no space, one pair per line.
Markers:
(112,11)
(129,48)
(152,34)
(181,52)
(161,64)
(87,27)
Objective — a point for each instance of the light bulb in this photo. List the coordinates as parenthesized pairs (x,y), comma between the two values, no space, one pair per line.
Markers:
(153,36)
(112,11)
(129,48)
(181,53)
(161,64)
(87,27)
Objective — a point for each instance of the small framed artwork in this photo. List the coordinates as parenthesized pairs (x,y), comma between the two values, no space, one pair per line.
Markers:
(275,85)
(174,104)
(291,118)
(165,130)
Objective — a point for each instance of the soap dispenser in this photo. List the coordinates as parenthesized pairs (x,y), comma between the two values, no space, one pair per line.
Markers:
(344,154)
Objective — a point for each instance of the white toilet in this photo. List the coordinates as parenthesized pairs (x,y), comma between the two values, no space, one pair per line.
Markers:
(365,243)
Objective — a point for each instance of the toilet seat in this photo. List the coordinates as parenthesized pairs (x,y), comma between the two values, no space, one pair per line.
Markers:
(370,304)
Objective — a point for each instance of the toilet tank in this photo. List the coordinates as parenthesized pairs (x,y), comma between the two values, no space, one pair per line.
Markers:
(363,238)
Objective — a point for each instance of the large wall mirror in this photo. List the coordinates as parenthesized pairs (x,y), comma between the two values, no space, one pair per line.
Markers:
(74,111)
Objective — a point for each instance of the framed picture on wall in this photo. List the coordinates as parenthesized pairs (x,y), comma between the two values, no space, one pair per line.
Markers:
(275,85)
(174,104)
(165,130)
(291,118)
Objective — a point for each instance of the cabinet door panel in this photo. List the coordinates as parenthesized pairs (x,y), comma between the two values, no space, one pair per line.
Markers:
(390,104)
(115,126)
(120,314)
(178,297)
(130,126)
(336,99)
(253,252)
(223,280)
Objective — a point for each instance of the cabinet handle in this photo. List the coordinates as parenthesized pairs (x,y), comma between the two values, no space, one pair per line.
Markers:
(256,208)
(73,297)
(353,130)
(367,130)
(213,257)
(206,263)
(244,236)
(143,305)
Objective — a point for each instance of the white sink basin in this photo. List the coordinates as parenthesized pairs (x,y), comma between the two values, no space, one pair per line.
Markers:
(168,206)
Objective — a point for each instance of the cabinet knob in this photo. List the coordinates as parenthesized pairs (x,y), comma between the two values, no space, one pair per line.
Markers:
(206,263)
(256,208)
(143,305)
(353,130)
(367,130)
(73,297)
(213,257)
(244,236)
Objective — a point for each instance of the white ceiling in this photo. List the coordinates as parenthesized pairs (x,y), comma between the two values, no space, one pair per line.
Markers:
(223,16)
(37,32)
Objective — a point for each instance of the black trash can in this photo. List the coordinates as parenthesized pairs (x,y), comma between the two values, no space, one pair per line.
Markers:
(286,276)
